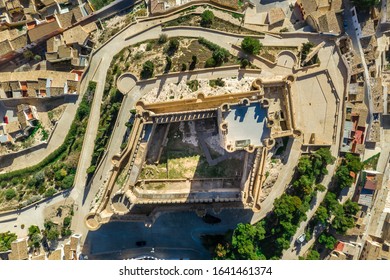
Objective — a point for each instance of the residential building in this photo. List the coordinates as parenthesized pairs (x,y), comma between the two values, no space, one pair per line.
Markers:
(322,15)
(19,249)
(41,83)
(275,17)
(375,249)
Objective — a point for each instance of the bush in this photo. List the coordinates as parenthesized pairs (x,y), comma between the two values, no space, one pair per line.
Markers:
(149,46)
(251,45)
(163,39)
(91,169)
(10,194)
(173,46)
(217,83)
(50,192)
(193,62)
(210,63)
(193,85)
(183,67)
(244,63)
(67,221)
(147,70)
(220,55)
(168,66)
(207,18)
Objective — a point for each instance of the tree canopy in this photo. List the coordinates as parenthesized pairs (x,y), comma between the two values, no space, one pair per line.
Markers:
(207,18)
(251,45)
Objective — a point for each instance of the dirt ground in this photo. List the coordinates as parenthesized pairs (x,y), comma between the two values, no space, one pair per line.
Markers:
(57,212)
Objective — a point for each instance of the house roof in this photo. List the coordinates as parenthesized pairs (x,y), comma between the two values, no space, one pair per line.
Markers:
(5,47)
(276,15)
(75,35)
(309,6)
(339,246)
(40,257)
(66,20)
(90,27)
(19,42)
(42,30)
(55,255)
(329,22)
(19,249)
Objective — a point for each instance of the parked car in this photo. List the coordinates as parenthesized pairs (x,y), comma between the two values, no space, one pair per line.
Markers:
(301,238)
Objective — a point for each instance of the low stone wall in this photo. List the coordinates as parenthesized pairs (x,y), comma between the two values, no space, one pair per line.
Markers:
(199,28)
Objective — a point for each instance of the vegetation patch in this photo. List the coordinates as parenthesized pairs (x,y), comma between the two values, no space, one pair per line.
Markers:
(216,23)
(268,238)
(56,172)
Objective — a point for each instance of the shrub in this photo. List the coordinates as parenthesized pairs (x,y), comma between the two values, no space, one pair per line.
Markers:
(244,63)
(50,192)
(163,39)
(67,221)
(147,70)
(220,55)
(207,18)
(173,46)
(210,63)
(149,46)
(168,66)
(251,45)
(183,67)
(91,169)
(193,62)
(217,83)
(10,194)
(193,85)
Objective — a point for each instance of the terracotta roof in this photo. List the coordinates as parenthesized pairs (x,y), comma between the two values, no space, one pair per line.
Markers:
(43,30)
(276,15)
(339,246)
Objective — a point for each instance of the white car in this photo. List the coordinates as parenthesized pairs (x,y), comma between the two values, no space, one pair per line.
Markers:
(301,238)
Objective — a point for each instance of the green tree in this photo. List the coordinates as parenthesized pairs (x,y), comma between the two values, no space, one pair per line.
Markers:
(341,223)
(10,194)
(194,60)
(244,63)
(313,255)
(304,165)
(220,55)
(6,238)
(244,241)
(320,188)
(147,70)
(328,240)
(207,18)
(210,62)
(364,4)
(50,192)
(173,46)
(168,66)
(251,45)
(33,229)
(351,208)
(321,215)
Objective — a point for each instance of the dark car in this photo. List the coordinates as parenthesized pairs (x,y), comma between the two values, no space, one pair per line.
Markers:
(140,243)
